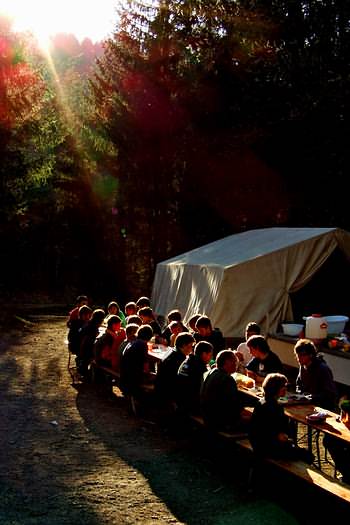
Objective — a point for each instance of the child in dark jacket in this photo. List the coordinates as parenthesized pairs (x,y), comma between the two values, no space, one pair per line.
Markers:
(269,426)
(190,377)
(88,337)
(75,329)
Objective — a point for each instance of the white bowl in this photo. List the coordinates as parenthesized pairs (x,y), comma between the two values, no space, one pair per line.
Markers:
(292,329)
(336,323)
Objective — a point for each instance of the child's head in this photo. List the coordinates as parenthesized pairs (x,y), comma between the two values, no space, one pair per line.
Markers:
(131,330)
(130,309)
(274,386)
(144,332)
(114,323)
(258,346)
(184,342)
(174,315)
(142,302)
(81,300)
(98,316)
(192,322)
(226,360)
(85,313)
(175,327)
(203,326)
(146,314)
(305,351)
(204,351)
(134,319)
(113,308)
(252,329)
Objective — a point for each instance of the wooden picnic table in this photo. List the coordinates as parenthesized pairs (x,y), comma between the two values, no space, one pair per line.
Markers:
(299,412)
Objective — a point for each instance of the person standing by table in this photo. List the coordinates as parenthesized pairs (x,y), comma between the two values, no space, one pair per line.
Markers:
(269,426)
(263,361)
(314,376)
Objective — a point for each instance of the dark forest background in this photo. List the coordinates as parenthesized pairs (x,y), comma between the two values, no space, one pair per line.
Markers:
(196,120)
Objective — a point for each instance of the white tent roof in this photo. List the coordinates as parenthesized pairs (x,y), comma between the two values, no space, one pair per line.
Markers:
(245,277)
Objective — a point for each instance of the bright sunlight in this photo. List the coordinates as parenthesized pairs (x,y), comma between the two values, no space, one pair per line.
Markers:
(94,19)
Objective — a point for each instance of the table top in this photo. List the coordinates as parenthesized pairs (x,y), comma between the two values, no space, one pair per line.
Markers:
(159,352)
(330,425)
(322,347)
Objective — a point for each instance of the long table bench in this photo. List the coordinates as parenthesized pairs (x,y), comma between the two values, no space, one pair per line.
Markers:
(199,421)
(112,376)
(109,373)
(306,472)
(299,468)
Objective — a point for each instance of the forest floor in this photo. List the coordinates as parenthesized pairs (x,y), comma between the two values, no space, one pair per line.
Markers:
(71,456)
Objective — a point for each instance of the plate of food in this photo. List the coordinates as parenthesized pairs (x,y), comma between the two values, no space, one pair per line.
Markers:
(318,415)
(291,399)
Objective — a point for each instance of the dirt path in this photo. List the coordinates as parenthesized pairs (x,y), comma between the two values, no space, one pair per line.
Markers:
(69,456)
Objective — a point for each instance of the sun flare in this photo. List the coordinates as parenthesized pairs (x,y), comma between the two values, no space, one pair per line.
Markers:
(45,18)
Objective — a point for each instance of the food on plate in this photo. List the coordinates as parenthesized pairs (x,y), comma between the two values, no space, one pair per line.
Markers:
(243,380)
(317,416)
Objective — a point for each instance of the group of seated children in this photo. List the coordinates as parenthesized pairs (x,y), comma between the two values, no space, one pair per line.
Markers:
(98,334)
(188,381)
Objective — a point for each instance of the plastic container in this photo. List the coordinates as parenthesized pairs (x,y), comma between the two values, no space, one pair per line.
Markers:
(336,323)
(316,327)
(292,329)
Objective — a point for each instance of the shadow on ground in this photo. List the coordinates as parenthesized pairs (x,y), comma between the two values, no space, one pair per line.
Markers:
(70,456)
(34,485)
(201,482)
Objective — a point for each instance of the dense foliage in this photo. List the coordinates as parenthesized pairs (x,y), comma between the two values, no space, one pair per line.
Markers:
(51,218)
(202,118)
(226,116)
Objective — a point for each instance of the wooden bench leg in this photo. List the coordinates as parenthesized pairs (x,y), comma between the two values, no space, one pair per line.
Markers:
(255,469)
(133,405)
(72,369)
(318,453)
(251,478)
(330,462)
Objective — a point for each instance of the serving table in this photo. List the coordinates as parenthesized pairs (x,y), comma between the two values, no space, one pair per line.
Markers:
(338,360)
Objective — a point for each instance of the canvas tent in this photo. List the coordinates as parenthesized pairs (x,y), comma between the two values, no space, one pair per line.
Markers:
(244,277)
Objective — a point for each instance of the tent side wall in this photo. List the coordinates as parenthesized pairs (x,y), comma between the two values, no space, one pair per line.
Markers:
(258,290)
(190,288)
